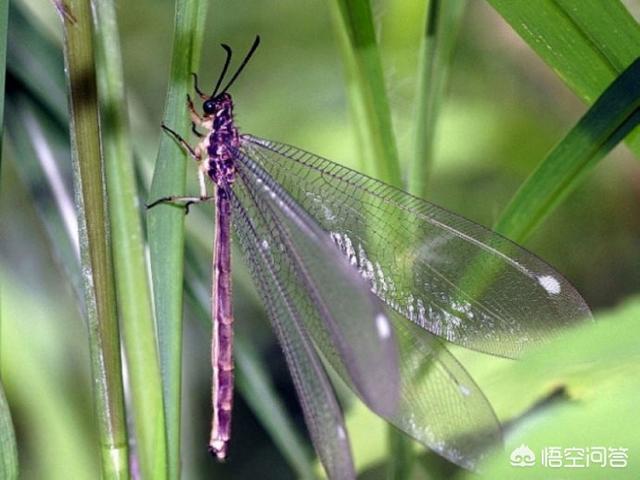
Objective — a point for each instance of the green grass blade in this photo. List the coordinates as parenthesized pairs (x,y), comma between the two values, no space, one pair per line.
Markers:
(165,223)
(608,121)
(132,285)
(586,43)
(442,23)
(94,242)
(8,448)
(367,94)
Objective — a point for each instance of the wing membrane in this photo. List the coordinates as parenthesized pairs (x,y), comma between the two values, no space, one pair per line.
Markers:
(440,404)
(320,407)
(347,322)
(450,276)
(434,399)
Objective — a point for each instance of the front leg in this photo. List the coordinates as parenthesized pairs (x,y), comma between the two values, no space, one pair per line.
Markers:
(193,153)
(195,116)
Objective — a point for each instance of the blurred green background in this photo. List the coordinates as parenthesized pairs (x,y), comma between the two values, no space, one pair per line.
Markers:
(504,110)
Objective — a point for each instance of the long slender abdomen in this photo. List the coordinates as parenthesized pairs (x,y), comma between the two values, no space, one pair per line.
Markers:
(222,336)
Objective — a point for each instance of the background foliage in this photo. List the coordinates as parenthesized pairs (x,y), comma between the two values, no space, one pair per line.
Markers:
(503,110)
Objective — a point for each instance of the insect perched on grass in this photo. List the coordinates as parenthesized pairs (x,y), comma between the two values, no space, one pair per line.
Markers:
(372,278)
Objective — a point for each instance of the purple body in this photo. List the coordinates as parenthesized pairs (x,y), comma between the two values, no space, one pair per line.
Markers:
(222,141)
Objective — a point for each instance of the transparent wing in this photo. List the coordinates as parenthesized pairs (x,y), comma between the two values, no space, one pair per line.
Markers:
(346,321)
(416,385)
(458,280)
(319,405)
(440,405)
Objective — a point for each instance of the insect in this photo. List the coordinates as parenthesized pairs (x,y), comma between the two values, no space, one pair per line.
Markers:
(371,277)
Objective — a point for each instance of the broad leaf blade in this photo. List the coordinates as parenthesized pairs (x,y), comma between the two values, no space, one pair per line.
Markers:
(593,371)
(608,121)
(587,43)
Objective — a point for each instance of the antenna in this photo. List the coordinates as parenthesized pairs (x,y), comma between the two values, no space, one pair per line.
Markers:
(256,42)
(227,49)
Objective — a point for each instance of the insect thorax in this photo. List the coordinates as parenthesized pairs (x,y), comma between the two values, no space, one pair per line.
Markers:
(224,142)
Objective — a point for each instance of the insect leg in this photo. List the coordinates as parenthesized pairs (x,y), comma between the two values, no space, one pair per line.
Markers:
(183,143)
(177,200)
(195,130)
(195,116)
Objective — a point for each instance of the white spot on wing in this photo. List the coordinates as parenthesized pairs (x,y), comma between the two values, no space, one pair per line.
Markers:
(382,324)
(341,433)
(550,284)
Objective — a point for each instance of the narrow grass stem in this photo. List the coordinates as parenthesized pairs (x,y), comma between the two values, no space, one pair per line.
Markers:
(132,285)
(442,21)
(369,105)
(95,249)
(165,223)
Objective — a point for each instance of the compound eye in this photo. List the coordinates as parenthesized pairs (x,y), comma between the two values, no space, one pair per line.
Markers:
(209,107)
